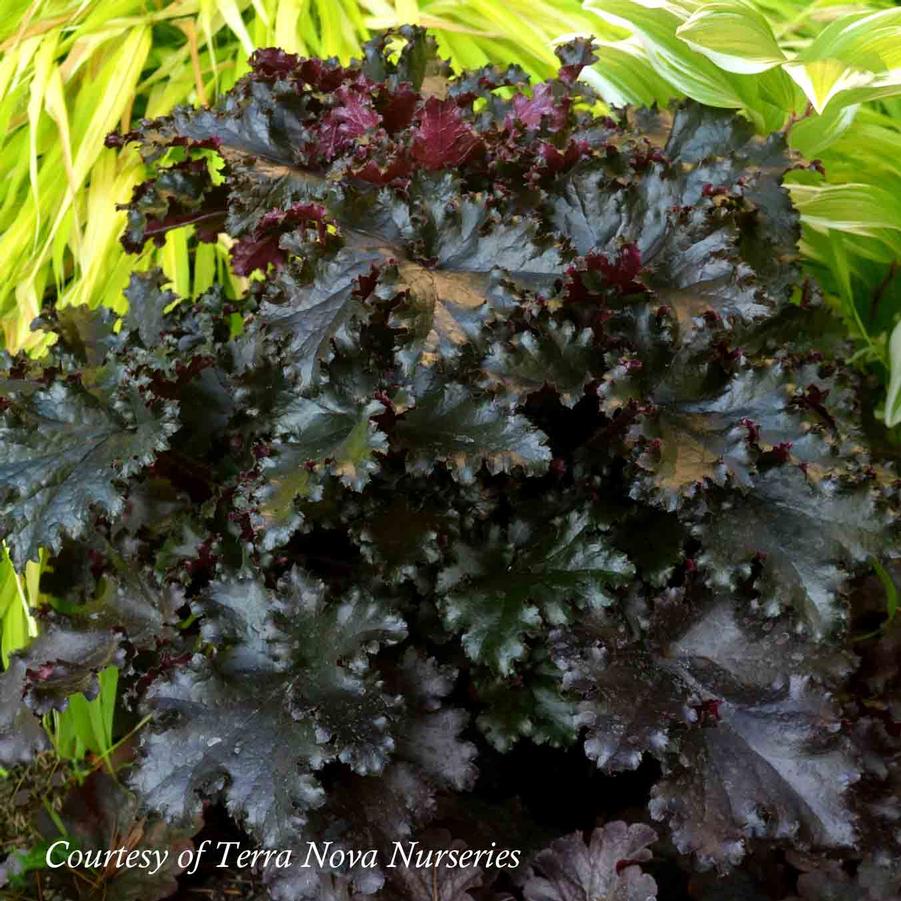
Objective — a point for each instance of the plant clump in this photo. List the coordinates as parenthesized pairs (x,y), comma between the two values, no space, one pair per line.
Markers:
(526,430)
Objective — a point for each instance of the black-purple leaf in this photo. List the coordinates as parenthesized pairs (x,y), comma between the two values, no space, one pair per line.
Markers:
(496,591)
(449,425)
(309,314)
(608,868)
(806,534)
(62,453)
(59,663)
(288,690)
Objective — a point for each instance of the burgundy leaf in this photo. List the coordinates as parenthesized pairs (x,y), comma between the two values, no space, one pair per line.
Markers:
(542,106)
(621,272)
(589,277)
(443,139)
(353,118)
(553,160)
(273,63)
(262,247)
(322,74)
(397,107)
(382,174)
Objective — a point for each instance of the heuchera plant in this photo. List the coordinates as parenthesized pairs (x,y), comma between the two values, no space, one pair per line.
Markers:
(526,429)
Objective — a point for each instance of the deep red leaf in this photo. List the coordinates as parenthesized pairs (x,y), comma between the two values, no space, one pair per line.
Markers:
(542,106)
(343,124)
(443,138)
(262,248)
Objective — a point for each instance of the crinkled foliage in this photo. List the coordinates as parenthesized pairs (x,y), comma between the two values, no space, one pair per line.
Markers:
(608,867)
(518,429)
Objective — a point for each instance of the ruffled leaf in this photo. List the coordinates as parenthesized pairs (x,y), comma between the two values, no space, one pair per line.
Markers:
(309,314)
(62,452)
(497,592)
(608,867)
(806,537)
(287,691)
(449,425)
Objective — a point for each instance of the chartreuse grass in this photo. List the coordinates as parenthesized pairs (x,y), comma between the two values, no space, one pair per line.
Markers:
(18,595)
(84,726)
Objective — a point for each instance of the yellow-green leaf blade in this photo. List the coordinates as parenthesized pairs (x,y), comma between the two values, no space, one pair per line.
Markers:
(734,35)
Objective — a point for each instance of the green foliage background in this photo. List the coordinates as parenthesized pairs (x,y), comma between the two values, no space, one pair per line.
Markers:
(72,70)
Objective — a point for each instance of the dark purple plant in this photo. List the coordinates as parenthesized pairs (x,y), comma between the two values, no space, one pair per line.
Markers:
(526,429)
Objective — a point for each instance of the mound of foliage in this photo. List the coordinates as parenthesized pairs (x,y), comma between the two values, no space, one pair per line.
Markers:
(526,431)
